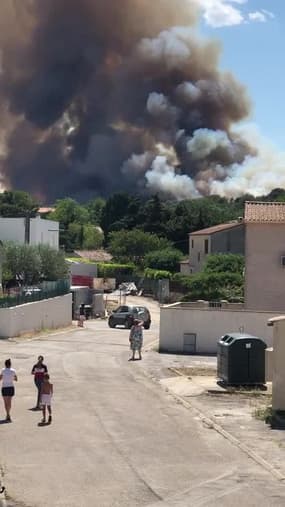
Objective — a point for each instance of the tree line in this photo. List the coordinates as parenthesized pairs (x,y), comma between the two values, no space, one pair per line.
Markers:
(91,225)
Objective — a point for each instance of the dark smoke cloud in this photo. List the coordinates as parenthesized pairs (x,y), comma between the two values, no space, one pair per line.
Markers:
(100,96)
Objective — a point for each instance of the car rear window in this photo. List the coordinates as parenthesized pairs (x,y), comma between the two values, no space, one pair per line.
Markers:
(122,309)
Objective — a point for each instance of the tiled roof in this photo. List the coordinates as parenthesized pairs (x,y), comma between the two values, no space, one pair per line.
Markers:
(95,255)
(264,212)
(45,210)
(216,228)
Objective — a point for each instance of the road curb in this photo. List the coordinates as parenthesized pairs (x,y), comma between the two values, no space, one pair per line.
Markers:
(208,421)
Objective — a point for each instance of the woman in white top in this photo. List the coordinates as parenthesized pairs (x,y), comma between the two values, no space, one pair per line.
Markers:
(8,375)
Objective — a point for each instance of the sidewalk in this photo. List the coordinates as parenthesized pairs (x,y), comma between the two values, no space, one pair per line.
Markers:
(232,414)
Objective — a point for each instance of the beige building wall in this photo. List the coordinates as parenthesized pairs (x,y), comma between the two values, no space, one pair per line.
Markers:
(208,325)
(47,314)
(264,274)
(197,251)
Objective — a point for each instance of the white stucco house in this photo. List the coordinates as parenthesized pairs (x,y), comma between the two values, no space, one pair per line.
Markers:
(33,231)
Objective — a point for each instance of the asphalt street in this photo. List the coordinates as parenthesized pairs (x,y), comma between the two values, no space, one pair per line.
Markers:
(118,439)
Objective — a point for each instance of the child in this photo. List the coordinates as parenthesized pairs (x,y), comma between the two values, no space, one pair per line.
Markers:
(46,395)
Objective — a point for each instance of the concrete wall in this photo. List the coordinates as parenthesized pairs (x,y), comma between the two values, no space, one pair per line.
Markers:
(229,241)
(197,250)
(44,232)
(264,274)
(12,229)
(208,325)
(83,269)
(41,231)
(47,314)
(185,268)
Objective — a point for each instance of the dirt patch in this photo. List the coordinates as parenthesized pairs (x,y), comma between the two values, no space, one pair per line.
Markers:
(42,333)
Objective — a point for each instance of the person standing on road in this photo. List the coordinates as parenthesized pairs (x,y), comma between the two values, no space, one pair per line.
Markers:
(38,370)
(46,396)
(136,339)
(81,317)
(8,375)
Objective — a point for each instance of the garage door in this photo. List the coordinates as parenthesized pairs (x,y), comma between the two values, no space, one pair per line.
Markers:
(189,343)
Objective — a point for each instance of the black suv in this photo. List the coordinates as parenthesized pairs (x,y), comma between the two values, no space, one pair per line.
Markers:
(125,315)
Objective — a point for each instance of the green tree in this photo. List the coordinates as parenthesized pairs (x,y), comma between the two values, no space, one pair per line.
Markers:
(224,263)
(68,211)
(23,262)
(132,246)
(53,263)
(72,218)
(165,260)
(120,212)
(30,264)
(95,209)
(153,216)
(215,286)
(17,204)
(92,237)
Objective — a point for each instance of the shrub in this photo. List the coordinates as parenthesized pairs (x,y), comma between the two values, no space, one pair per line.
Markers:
(106,270)
(156,274)
(164,260)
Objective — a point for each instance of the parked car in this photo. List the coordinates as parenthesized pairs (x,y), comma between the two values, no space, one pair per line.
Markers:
(125,315)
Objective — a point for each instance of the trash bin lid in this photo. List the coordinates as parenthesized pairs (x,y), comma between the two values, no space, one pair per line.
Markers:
(229,338)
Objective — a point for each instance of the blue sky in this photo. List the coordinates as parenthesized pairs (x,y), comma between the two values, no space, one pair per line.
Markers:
(253,49)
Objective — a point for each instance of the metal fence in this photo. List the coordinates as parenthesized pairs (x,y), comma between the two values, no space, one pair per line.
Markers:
(59,288)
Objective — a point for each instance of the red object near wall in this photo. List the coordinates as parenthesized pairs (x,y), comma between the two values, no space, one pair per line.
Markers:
(84,281)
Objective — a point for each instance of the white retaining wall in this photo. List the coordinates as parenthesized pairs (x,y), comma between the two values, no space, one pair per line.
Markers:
(47,314)
(208,325)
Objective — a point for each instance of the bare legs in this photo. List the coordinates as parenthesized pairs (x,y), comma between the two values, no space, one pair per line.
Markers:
(134,353)
(44,413)
(7,404)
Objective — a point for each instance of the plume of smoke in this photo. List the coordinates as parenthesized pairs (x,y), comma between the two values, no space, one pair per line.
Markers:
(97,97)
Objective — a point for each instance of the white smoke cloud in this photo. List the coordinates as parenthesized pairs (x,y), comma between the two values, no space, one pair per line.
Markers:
(205,141)
(169,46)
(162,177)
(159,107)
(137,164)
(188,92)
(256,175)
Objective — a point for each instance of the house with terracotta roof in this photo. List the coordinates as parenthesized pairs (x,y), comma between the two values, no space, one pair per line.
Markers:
(265,256)
(222,238)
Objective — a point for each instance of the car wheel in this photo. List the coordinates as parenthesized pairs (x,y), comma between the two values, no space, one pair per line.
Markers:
(146,325)
(111,323)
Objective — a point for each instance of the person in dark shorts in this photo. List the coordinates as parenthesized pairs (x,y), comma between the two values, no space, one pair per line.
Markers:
(81,316)
(38,370)
(8,376)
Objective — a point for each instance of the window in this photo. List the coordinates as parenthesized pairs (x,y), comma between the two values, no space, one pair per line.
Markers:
(192,243)
(206,246)
(199,256)
(122,309)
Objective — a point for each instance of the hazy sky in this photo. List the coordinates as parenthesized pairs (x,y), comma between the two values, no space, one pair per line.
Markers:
(253,36)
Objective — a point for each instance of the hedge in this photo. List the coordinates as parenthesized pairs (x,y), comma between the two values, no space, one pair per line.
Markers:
(157,274)
(112,270)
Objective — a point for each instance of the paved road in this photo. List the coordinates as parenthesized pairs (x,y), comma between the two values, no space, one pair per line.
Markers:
(118,439)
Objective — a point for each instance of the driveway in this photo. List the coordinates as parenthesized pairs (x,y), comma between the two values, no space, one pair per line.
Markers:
(118,439)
